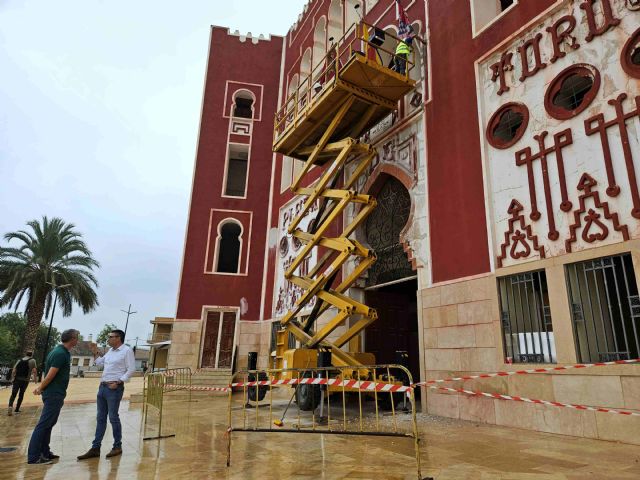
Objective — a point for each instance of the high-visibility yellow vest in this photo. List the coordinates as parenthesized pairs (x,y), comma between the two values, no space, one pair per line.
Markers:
(403,48)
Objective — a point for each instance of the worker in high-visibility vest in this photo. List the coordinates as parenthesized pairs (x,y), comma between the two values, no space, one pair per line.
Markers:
(403,50)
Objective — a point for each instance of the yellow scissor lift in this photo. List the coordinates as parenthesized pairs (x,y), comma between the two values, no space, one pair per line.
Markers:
(320,123)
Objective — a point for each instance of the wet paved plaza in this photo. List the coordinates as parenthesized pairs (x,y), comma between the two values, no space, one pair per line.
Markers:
(451,450)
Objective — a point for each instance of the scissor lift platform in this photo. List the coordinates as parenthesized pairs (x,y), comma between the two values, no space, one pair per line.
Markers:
(376,91)
(322,122)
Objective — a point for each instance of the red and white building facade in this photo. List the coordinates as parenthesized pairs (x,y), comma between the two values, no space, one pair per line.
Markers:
(508,223)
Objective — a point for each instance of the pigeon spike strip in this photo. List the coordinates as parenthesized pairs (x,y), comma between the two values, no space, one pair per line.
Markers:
(526,372)
(533,400)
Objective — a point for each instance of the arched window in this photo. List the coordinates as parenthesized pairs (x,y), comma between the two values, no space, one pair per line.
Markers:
(383,228)
(305,80)
(243,101)
(228,246)
(293,85)
(305,65)
(388,47)
(351,14)
(319,41)
(334,28)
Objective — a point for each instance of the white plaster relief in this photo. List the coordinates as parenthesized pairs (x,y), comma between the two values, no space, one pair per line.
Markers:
(405,150)
(507,181)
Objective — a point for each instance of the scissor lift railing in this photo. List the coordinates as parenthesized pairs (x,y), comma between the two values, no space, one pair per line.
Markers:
(320,123)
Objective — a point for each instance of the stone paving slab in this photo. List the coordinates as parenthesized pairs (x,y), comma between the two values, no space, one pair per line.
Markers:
(451,450)
(80,390)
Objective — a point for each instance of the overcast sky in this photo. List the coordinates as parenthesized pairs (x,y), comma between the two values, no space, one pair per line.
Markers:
(99,110)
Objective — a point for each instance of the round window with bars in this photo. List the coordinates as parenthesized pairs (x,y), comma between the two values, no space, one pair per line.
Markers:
(507,125)
(630,57)
(572,91)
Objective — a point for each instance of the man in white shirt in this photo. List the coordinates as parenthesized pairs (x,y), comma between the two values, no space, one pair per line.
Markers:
(119,364)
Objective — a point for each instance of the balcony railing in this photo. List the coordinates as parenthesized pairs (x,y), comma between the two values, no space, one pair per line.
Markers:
(355,40)
(159,337)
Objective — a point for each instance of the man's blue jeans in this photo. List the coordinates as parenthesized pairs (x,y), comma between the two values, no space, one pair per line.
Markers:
(108,404)
(41,436)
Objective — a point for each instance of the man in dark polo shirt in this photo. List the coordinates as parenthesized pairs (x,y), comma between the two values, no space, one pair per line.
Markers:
(53,390)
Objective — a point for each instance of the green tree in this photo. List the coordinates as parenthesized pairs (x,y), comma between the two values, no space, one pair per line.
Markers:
(102,337)
(52,253)
(12,328)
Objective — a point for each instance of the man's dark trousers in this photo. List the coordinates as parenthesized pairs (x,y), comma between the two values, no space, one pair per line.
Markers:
(19,387)
(41,436)
(108,404)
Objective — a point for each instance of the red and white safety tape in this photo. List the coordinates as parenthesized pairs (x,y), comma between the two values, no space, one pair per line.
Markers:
(351,384)
(197,388)
(533,400)
(526,372)
(389,387)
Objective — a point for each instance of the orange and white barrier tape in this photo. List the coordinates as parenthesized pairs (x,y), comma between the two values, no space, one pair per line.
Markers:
(202,388)
(336,382)
(533,400)
(432,385)
(390,387)
(526,372)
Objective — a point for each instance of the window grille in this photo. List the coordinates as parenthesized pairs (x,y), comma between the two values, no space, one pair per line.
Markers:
(572,93)
(508,126)
(605,307)
(527,329)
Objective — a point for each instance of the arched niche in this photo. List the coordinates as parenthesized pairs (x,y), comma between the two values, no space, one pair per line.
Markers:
(334,27)
(228,246)
(243,104)
(351,14)
(319,42)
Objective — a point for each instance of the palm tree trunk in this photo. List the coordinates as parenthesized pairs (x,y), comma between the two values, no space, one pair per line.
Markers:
(34,318)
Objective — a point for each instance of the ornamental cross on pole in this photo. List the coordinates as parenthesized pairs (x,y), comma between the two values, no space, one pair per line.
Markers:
(597,124)
(526,157)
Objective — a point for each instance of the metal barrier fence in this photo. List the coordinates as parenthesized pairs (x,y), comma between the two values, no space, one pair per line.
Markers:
(364,400)
(154,387)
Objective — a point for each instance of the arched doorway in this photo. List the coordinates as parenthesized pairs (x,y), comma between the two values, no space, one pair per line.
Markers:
(392,284)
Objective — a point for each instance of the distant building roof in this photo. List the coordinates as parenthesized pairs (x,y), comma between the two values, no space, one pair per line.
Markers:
(84,348)
(163,320)
(142,354)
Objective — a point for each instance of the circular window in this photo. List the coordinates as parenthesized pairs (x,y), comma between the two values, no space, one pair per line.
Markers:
(572,91)
(284,246)
(630,58)
(507,125)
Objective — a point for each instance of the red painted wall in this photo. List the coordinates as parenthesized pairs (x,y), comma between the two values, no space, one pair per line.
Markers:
(458,233)
(458,229)
(234,60)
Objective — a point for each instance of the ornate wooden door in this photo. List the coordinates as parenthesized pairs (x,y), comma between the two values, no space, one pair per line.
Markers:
(217,351)
(211,333)
(228,330)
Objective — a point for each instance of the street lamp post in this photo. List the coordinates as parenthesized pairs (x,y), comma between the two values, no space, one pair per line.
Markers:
(53,311)
(128,312)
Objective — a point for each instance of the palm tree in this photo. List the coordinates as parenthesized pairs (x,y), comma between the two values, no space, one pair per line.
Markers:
(52,253)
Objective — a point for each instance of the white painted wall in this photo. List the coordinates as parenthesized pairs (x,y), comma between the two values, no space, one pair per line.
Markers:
(505,180)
